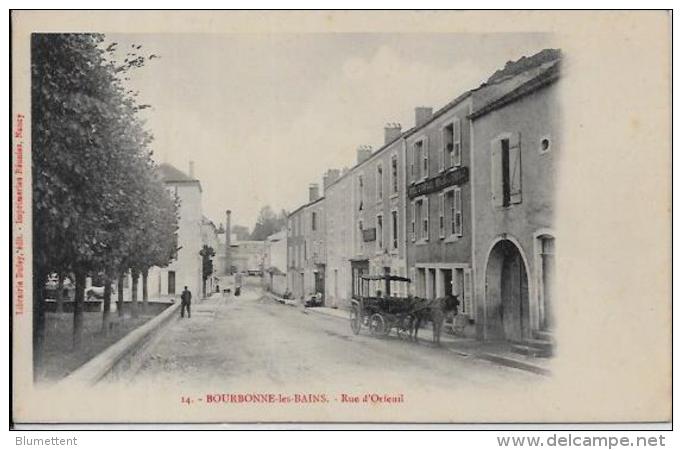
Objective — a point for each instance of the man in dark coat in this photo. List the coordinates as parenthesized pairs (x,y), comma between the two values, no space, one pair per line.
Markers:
(186,298)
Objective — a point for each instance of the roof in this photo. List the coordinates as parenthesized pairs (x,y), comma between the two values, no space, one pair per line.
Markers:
(170,173)
(302,207)
(278,236)
(502,83)
(517,86)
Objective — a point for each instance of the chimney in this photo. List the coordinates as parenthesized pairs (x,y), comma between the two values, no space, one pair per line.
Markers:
(329,178)
(228,232)
(191,169)
(422,114)
(391,132)
(364,152)
(313,192)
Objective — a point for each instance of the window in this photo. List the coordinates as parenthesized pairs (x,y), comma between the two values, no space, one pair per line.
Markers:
(441,215)
(457,148)
(506,171)
(420,167)
(425,220)
(361,192)
(457,212)
(452,145)
(422,214)
(313,220)
(380,182)
(448,147)
(394,229)
(394,174)
(380,232)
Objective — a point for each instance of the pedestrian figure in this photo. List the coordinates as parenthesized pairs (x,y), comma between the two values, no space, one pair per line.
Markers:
(186,298)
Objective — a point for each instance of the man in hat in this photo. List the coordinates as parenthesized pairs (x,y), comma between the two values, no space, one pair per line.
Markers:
(186,298)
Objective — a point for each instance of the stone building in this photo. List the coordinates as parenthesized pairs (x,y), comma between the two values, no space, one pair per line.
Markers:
(439,219)
(275,262)
(306,247)
(516,123)
(247,256)
(340,223)
(185,270)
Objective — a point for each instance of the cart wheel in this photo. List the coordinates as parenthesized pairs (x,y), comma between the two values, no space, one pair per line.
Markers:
(377,324)
(355,320)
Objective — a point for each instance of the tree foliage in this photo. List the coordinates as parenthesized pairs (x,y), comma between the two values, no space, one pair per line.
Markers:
(268,222)
(98,206)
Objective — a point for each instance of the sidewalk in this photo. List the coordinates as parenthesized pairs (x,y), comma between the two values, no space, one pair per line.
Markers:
(495,352)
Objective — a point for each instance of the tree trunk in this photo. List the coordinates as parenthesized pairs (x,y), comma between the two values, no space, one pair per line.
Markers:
(78,300)
(106,307)
(203,289)
(38,319)
(119,306)
(60,293)
(145,275)
(133,303)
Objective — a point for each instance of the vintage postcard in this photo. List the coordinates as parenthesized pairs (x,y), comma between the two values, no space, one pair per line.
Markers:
(341,217)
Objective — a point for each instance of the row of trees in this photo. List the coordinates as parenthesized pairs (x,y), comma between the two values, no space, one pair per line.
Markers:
(98,204)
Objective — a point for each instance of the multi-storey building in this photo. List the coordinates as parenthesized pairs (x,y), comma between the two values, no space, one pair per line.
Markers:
(339,226)
(378,212)
(306,247)
(439,219)
(185,270)
(515,123)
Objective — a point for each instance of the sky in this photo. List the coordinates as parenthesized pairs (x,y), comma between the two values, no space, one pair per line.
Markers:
(263,115)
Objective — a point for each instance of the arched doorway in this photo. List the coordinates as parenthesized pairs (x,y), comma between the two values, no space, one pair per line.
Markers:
(507,306)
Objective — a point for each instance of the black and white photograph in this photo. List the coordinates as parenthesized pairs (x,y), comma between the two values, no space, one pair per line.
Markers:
(339,217)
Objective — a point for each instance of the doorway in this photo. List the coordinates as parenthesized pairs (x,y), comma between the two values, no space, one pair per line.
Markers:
(507,307)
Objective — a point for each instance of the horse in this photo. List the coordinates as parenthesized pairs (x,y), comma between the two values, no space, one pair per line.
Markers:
(436,311)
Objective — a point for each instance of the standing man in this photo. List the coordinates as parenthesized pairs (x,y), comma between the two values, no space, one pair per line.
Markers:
(186,298)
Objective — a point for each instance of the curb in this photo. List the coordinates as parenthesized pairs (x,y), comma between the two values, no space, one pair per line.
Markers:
(496,359)
(281,300)
(98,367)
(513,363)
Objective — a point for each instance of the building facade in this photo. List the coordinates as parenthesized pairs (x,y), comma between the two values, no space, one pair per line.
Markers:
(378,201)
(276,262)
(339,237)
(439,218)
(186,269)
(516,125)
(306,247)
(462,204)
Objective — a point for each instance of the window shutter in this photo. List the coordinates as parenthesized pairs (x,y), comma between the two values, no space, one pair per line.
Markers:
(441,215)
(426,219)
(426,155)
(414,213)
(457,146)
(496,172)
(458,211)
(467,304)
(444,149)
(515,168)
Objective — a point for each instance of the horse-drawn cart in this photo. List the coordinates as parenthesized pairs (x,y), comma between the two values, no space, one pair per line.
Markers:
(382,312)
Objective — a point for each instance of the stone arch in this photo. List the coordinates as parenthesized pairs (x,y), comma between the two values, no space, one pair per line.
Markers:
(507,296)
